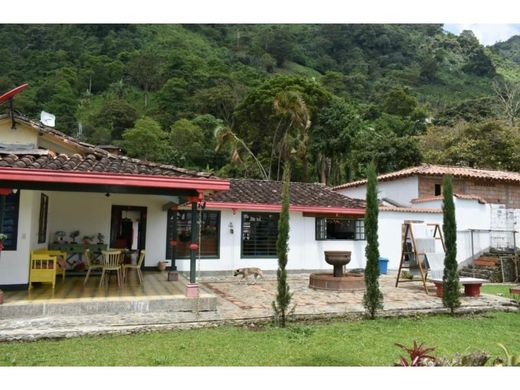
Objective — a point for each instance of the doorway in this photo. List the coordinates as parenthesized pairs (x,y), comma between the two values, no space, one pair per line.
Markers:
(128,228)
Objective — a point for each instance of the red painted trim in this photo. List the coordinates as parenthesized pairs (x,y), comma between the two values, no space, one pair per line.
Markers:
(99,178)
(277,207)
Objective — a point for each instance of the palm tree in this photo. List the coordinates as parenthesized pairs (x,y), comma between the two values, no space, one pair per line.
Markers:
(290,105)
(226,136)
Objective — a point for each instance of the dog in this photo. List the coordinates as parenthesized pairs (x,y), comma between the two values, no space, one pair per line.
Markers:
(246,272)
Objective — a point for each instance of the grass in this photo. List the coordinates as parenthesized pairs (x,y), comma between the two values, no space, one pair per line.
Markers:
(499,289)
(347,343)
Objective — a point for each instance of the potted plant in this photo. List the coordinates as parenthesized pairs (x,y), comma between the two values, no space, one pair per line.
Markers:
(161,265)
(73,235)
(100,238)
(2,238)
(60,235)
(87,239)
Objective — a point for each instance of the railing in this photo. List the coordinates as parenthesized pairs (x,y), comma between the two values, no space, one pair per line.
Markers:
(504,239)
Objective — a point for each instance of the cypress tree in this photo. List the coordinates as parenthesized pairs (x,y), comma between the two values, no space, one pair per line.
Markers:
(373,297)
(450,278)
(283,296)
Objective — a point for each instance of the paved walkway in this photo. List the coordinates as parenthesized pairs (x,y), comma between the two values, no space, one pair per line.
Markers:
(240,302)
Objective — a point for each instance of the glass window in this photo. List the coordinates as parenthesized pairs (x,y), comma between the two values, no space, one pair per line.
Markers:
(180,222)
(259,234)
(9,205)
(340,229)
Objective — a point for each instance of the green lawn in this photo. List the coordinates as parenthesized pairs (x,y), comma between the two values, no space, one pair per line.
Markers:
(498,289)
(348,343)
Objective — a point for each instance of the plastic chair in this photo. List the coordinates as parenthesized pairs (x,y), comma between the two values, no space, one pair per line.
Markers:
(90,265)
(137,267)
(111,262)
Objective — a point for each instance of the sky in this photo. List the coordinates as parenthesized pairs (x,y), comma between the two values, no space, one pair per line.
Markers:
(486,33)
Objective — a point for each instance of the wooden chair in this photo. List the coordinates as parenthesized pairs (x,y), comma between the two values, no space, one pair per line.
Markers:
(137,267)
(90,265)
(111,262)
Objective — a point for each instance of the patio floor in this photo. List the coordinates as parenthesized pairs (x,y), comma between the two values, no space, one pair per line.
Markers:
(155,284)
(71,297)
(223,299)
(239,301)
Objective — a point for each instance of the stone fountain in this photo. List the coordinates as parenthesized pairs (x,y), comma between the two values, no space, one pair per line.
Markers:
(338,280)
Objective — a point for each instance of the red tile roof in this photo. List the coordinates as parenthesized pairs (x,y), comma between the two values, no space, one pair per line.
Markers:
(249,191)
(89,158)
(410,210)
(441,170)
(100,163)
(460,196)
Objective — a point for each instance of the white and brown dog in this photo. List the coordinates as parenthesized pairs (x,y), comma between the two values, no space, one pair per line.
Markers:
(246,272)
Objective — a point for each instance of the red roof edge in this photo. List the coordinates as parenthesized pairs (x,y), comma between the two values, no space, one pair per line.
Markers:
(277,207)
(459,196)
(99,178)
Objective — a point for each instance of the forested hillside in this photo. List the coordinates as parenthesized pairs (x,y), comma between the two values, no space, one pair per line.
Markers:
(239,100)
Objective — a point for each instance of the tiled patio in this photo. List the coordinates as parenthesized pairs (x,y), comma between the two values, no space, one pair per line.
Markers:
(236,300)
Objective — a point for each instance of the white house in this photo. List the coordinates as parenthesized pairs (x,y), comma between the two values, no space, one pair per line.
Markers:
(487,202)
(50,182)
(240,227)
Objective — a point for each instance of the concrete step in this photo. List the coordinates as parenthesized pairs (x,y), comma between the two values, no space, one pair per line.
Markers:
(116,305)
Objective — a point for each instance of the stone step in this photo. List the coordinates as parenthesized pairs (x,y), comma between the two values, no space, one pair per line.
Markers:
(485,263)
(92,306)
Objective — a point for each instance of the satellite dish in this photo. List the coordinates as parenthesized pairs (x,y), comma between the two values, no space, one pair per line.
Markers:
(9,95)
(47,119)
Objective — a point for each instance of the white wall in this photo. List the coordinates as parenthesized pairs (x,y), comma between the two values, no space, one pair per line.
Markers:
(503,218)
(469,214)
(14,265)
(90,213)
(305,252)
(401,190)
(390,232)
(21,135)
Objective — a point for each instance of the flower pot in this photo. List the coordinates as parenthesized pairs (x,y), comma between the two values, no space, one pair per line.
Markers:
(162,265)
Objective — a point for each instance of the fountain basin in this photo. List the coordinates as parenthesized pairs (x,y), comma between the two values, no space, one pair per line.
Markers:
(327,281)
(338,259)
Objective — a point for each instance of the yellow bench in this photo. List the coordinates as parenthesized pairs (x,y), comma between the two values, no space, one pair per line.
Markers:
(43,269)
(61,259)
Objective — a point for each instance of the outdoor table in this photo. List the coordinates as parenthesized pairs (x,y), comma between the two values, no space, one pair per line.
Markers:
(471,286)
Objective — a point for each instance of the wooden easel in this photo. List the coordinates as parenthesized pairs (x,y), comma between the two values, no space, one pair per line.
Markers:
(410,253)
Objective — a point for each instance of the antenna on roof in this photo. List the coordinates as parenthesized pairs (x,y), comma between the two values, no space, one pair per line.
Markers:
(47,119)
(8,97)
(80,130)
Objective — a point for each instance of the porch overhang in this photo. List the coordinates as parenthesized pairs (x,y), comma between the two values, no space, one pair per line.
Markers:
(276,207)
(52,180)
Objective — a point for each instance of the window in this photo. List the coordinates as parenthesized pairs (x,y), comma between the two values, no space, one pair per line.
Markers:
(180,222)
(437,189)
(9,205)
(259,234)
(340,229)
(42,223)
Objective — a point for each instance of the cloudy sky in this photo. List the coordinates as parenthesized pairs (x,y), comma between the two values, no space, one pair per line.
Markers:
(487,34)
